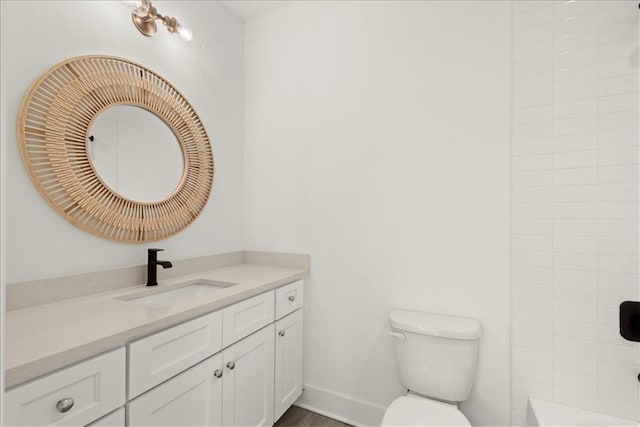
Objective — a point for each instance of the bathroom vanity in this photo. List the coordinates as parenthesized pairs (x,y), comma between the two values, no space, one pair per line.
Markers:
(215,341)
(229,355)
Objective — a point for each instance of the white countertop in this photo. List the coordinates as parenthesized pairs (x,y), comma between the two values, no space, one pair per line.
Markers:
(41,339)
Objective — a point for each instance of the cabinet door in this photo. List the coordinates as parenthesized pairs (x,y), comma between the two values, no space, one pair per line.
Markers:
(289,357)
(193,398)
(248,381)
(114,419)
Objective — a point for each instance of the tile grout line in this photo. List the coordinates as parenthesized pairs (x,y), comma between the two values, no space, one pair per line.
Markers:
(511,173)
(553,203)
(597,136)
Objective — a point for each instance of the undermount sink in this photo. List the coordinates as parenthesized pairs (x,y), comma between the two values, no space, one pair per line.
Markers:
(169,295)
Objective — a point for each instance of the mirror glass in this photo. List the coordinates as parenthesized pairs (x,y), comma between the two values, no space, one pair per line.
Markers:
(135,153)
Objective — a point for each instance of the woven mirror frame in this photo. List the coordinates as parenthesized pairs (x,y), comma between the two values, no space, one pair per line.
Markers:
(53,131)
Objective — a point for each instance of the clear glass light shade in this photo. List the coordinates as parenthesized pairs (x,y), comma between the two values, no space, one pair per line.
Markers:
(130,4)
(184,33)
(139,7)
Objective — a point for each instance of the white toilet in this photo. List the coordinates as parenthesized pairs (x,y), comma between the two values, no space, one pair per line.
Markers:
(436,361)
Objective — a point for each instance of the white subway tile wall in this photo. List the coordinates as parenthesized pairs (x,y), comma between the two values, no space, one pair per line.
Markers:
(575,204)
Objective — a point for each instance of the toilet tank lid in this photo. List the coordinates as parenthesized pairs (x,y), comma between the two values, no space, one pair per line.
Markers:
(438,325)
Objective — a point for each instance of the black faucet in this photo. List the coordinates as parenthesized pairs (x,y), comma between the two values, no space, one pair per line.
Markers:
(152,262)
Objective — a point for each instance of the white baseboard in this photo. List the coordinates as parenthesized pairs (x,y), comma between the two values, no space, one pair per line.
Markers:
(339,407)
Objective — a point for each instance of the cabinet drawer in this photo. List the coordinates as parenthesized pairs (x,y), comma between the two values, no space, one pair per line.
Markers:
(246,317)
(160,356)
(91,388)
(289,298)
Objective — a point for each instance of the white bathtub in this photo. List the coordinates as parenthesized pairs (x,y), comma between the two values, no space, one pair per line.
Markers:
(542,413)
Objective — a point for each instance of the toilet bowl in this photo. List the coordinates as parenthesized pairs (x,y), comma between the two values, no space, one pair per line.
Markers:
(435,358)
(412,410)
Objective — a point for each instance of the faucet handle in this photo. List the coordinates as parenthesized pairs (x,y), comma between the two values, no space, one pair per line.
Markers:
(154,250)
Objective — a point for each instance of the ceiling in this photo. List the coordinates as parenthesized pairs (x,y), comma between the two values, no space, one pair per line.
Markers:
(248,9)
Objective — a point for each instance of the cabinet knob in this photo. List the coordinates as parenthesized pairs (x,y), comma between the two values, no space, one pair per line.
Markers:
(282,332)
(292,298)
(218,373)
(64,405)
(231,365)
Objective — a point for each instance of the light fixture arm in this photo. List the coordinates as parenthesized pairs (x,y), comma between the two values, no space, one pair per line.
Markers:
(172,24)
(145,17)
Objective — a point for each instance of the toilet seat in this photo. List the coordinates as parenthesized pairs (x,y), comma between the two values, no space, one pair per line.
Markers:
(419,411)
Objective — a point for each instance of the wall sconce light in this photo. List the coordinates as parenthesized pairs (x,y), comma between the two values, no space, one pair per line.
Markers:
(144,18)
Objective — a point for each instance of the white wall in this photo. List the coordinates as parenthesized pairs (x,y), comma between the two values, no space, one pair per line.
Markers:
(575,204)
(3,222)
(377,140)
(37,35)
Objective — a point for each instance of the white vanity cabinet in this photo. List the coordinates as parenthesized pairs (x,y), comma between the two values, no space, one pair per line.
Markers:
(238,366)
(288,346)
(288,361)
(248,381)
(73,396)
(232,388)
(246,317)
(162,355)
(289,298)
(114,419)
(193,398)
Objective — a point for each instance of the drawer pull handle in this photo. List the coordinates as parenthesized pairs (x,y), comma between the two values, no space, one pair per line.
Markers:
(218,373)
(231,365)
(282,332)
(64,405)
(292,298)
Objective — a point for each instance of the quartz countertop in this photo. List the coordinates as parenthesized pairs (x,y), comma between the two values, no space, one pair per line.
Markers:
(44,338)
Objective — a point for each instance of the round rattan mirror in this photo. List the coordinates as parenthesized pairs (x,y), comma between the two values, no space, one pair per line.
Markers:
(53,133)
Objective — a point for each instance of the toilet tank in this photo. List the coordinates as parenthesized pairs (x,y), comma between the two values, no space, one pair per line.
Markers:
(435,353)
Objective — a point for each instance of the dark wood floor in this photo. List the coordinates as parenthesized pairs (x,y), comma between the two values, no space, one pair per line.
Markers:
(298,417)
